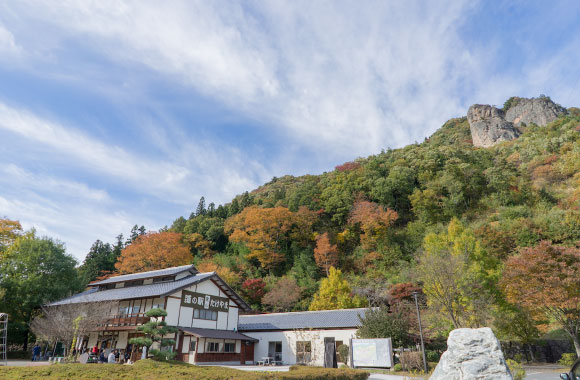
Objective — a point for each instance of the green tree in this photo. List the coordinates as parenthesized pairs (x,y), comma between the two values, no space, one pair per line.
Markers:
(34,271)
(200,210)
(154,332)
(100,260)
(335,293)
(385,322)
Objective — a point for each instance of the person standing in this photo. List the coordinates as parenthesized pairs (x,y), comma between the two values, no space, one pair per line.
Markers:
(111,358)
(35,352)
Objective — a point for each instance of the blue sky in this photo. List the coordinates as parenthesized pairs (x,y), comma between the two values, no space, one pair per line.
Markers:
(121,113)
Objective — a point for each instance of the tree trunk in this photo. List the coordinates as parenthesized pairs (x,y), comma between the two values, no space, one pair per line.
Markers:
(531,351)
(576,343)
(25,345)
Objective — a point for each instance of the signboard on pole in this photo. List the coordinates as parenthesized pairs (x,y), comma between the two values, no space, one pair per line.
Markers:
(372,353)
(204,301)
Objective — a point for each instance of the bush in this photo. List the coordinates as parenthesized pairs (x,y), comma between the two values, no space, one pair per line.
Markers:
(411,360)
(398,367)
(567,359)
(150,369)
(162,355)
(516,369)
(432,356)
(343,352)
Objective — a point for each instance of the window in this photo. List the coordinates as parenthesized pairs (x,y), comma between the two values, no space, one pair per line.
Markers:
(135,309)
(205,314)
(129,284)
(275,350)
(229,347)
(123,310)
(192,345)
(107,287)
(303,351)
(163,279)
(213,347)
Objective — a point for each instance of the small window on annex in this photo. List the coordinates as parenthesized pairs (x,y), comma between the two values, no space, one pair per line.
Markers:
(192,345)
(229,347)
(303,351)
(213,347)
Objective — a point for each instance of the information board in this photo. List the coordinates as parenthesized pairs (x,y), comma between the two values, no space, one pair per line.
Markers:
(204,301)
(377,353)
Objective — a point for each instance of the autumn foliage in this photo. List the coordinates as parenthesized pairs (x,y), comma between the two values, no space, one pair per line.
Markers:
(154,250)
(546,281)
(254,289)
(9,231)
(325,254)
(374,221)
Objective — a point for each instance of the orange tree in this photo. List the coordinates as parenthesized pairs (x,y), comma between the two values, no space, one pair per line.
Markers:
(9,231)
(374,221)
(154,250)
(268,232)
(325,254)
(545,280)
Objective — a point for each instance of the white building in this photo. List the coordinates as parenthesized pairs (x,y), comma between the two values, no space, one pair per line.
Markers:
(206,312)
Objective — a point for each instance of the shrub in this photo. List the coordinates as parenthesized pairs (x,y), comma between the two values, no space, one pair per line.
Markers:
(343,352)
(516,369)
(432,356)
(567,359)
(411,360)
(398,367)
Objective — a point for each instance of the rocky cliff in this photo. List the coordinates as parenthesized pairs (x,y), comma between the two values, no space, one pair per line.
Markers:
(490,125)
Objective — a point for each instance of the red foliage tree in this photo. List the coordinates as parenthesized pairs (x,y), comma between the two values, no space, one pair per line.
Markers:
(545,280)
(254,289)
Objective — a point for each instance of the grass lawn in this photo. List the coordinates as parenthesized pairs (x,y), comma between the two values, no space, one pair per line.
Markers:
(151,370)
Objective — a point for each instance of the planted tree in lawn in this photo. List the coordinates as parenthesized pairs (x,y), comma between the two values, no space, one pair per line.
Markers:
(154,332)
(545,280)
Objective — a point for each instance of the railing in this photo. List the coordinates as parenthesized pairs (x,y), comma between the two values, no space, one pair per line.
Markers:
(134,319)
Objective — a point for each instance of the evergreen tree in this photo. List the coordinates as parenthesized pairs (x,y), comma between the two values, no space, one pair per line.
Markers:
(200,210)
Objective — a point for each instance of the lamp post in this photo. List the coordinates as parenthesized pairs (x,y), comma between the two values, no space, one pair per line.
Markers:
(415,294)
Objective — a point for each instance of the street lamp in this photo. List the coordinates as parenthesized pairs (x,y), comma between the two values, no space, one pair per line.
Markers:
(415,294)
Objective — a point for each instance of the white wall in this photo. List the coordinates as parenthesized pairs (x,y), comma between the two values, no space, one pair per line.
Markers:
(183,316)
(122,339)
(289,339)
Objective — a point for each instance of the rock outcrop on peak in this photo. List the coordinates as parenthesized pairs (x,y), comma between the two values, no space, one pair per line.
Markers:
(539,111)
(489,126)
(472,354)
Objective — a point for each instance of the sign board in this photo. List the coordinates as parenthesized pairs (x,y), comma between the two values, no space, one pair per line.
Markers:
(371,353)
(204,301)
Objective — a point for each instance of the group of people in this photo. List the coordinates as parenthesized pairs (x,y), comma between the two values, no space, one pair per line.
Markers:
(113,357)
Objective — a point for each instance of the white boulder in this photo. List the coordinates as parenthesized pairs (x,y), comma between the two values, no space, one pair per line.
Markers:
(472,354)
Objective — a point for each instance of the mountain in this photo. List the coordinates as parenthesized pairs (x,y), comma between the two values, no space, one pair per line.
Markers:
(512,191)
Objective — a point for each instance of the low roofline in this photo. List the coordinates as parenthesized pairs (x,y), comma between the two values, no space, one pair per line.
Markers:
(300,312)
(148,274)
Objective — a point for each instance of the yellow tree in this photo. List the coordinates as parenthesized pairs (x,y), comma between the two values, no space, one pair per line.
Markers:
(154,250)
(335,293)
(457,276)
(325,254)
(9,231)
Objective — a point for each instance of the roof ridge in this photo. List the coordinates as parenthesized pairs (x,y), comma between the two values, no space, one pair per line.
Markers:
(301,312)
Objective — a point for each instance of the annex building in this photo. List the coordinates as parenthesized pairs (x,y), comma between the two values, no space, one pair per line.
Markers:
(209,316)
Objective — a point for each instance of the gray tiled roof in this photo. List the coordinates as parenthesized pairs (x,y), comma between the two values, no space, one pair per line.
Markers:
(142,291)
(153,273)
(325,319)
(216,334)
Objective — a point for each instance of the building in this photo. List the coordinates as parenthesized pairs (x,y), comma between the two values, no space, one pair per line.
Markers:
(298,337)
(206,311)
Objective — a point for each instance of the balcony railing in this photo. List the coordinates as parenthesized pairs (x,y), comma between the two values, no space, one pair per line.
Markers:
(134,319)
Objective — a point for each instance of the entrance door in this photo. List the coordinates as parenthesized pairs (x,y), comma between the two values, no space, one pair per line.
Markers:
(247,354)
(275,350)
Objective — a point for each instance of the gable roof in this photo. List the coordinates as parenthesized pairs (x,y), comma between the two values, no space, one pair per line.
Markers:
(324,319)
(149,274)
(152,290)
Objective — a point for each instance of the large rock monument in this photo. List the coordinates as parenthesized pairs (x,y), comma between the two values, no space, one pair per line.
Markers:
(472,354)
(490,125)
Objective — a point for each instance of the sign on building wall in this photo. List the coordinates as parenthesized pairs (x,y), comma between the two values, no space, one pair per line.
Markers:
(204,301)
(371,353)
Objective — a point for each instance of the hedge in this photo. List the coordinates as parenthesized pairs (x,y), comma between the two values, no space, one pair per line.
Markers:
(151,370)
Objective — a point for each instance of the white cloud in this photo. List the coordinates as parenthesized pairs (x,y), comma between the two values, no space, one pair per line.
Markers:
(345,78)
(8,45)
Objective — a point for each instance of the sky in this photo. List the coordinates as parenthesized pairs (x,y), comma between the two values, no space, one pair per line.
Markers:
(116,113)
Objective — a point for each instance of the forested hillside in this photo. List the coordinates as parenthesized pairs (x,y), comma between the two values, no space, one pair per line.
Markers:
(437,215)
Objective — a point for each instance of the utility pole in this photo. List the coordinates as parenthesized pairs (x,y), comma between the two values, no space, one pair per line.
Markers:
(415,294)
